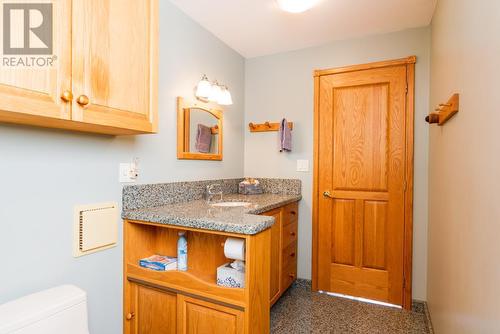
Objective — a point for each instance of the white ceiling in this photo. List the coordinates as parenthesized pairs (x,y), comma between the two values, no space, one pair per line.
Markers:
(259,27)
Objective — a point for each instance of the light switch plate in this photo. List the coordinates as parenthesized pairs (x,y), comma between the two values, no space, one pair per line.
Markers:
(302,165)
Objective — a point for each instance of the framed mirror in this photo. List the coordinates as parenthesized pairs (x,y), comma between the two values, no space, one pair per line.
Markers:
(199,131)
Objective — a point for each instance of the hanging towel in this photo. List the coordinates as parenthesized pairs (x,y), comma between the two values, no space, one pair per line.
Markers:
(285,136)
(203,139)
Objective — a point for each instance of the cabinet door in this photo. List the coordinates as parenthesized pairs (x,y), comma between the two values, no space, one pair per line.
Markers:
(32,94)
(115,63)
(150,311)
(201,317)
(275,255)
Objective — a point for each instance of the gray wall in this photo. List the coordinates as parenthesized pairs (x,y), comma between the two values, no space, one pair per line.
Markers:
(45,173)
(464,165)
(281,85)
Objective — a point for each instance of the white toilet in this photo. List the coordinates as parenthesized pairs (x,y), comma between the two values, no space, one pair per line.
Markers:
(60,310)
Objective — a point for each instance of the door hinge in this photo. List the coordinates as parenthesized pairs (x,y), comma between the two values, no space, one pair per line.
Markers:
(406,89)
(404,186)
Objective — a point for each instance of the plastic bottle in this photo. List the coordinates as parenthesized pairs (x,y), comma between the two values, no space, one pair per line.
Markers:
(182,252)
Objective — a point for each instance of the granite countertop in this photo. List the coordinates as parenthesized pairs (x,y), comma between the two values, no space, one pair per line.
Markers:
(199,214)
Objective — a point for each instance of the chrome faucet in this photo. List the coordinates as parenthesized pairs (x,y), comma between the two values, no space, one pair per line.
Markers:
(210,193)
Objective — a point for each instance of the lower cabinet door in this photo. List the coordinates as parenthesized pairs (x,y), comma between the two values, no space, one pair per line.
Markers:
(151,311)
(200,317)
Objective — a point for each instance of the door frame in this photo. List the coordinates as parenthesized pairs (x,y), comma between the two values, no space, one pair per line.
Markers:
(408,196)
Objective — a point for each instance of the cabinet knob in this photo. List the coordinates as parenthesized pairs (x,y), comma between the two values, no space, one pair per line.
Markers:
(292,276)
(293,254)
(130,315)
(293,213)
(82,100)
(67,96)
(292,234)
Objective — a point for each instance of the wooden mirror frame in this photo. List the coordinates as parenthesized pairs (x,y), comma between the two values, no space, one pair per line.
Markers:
(183,133)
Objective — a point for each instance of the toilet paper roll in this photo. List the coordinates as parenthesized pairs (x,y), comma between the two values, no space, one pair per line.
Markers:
(234,249)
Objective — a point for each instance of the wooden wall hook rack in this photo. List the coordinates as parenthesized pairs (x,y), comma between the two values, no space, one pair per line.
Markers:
(267,126)
(444,111)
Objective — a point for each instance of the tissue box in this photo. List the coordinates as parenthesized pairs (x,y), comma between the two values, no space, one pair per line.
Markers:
(229,277)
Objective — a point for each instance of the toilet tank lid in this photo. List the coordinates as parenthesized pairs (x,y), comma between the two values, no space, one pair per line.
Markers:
(32,308)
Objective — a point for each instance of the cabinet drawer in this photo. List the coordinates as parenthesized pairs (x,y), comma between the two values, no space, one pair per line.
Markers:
(289,274)
(290,213)
(289,234)
(289,254)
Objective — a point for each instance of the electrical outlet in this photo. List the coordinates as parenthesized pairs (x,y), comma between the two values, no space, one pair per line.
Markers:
(128,172)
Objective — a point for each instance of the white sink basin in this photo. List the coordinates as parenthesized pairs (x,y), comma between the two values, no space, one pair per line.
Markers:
(231,204)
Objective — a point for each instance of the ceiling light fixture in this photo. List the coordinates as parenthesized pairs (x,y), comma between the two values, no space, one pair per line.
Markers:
(296,6)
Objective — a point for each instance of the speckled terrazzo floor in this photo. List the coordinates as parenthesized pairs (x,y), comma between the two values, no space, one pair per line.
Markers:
(303,311)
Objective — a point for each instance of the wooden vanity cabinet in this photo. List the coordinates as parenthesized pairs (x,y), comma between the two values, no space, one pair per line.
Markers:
(104,73)
(283,249)
(191,302)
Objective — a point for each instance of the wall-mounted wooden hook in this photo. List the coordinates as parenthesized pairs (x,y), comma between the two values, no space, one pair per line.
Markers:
(267,126)
(445,111)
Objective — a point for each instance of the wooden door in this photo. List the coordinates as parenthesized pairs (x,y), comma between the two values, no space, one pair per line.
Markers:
(200,317)
(114,63)
(361,176)
(32,93)
(275,279)
(151,311)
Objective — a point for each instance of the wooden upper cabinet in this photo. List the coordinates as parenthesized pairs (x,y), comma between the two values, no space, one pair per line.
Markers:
(114,63)
(106,69)
(31,92)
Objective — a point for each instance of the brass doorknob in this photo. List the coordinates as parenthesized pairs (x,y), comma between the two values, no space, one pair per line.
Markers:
(327,194)
(67,96)
(130,315)
(82,100)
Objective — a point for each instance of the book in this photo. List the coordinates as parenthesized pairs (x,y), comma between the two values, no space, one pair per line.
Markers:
(159,263)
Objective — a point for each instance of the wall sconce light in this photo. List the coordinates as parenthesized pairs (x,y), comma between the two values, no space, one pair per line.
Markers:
(213,92)
(204,88)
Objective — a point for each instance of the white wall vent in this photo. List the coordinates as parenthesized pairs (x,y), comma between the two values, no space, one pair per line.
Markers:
(95,228)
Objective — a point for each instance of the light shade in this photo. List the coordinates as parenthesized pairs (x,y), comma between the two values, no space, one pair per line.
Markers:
(204,88)
(296,6)
(215,93)
(225,98)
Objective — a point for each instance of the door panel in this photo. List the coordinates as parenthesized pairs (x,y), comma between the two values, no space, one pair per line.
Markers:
(374,235)
(36,91)
(361,154)
(155,311)
(343,232)
(113,59)
(200,317)
(360,137)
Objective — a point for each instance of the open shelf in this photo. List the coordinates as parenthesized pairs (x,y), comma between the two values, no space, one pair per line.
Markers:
(188,282)
(205,255)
